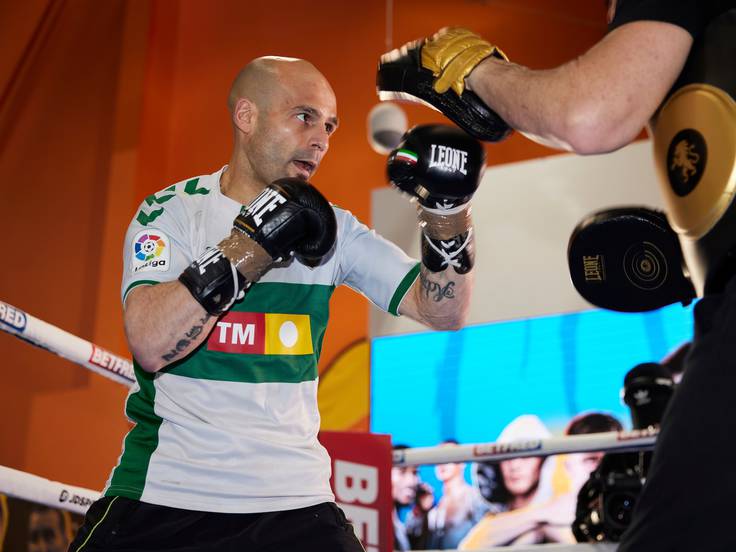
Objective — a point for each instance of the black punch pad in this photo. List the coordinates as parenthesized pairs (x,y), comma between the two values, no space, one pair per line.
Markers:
(628,259)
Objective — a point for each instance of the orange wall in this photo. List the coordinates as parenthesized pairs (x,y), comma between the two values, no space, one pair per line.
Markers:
(58,108)
(105,102)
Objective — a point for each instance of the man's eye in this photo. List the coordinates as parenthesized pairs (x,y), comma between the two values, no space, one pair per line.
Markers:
(304,117)
(329,128)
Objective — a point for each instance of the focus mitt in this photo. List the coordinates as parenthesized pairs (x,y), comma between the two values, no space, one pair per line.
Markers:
(424,71)
(628,259)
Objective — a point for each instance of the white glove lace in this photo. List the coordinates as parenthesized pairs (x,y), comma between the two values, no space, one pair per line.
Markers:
(449,258)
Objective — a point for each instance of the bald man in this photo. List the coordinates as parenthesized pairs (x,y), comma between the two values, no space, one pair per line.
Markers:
(226,288)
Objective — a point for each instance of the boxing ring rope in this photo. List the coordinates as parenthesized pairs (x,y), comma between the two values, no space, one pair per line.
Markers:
(18,484)
(46,336)
(614,441)
(55,340)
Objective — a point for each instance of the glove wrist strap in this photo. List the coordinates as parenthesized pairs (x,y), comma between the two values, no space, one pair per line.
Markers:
(214,281)
(445,224)
(450,211)
(456,252)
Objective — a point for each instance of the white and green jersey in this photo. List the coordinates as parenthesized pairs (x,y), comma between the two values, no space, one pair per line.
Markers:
(233,426)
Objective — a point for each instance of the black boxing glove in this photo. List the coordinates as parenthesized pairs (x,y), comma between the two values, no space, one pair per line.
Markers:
(440,165)
(290,217)
(214,281)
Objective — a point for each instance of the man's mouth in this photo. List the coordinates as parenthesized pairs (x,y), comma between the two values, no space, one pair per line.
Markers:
(306,168)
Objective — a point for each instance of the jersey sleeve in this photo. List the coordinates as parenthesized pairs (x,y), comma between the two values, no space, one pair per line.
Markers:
(373,266)
(691,15)
(156,247)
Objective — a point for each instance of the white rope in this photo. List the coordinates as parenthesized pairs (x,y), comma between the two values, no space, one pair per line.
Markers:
(37,489)
(622,441)
(55,340)
(582,547)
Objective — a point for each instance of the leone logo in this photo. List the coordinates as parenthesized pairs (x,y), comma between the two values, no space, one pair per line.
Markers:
(448,159)
(686,158)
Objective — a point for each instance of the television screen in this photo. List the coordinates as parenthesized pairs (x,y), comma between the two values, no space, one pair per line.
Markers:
(505,381)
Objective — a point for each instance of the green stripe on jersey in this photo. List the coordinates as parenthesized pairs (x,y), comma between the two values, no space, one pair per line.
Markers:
(136,284)
(129,477)
(393,306)
(267,297)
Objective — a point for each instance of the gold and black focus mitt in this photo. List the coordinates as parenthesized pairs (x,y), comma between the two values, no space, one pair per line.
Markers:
(433,72)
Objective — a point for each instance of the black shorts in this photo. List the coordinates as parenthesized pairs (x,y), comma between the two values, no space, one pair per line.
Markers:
(122,524)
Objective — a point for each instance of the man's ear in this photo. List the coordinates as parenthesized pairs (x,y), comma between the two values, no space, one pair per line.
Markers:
(244,115)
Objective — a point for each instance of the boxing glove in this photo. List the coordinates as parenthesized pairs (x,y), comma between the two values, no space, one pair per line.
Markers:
(290,217)
(439,165)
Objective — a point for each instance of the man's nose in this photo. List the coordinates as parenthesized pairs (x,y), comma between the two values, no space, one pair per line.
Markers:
(320,140)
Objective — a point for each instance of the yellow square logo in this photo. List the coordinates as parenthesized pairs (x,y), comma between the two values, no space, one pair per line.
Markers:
(288,334)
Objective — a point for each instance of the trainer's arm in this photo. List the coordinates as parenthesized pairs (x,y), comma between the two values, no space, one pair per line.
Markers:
(596,103)
(164,323)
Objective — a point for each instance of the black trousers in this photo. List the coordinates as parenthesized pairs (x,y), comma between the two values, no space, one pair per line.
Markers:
(123,525)
(689,500)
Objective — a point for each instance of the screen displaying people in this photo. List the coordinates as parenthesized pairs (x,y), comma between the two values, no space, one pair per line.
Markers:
(475,506)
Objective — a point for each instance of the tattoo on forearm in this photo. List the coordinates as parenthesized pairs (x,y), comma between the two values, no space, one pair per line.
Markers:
(194,332)
(435,289)
(183,344)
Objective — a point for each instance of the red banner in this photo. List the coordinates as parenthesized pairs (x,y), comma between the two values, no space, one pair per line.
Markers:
(361,481)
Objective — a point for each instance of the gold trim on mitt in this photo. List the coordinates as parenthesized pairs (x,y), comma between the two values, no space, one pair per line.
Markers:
(695,153)
(452,54)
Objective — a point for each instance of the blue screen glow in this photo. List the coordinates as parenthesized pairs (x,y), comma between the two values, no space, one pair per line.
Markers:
(468,385)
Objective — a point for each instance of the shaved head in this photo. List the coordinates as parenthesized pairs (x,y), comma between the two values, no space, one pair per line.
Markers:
(264,78)
(283,112)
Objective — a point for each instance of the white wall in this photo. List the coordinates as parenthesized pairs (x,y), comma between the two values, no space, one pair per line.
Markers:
(524,214)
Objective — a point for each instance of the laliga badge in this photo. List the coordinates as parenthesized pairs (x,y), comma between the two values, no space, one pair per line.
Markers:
(151,251)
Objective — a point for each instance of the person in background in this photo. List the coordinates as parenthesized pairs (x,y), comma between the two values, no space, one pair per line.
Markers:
(417,520)
(459,508)
(49,529)
(580,465)
(522,487)
(404,481)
